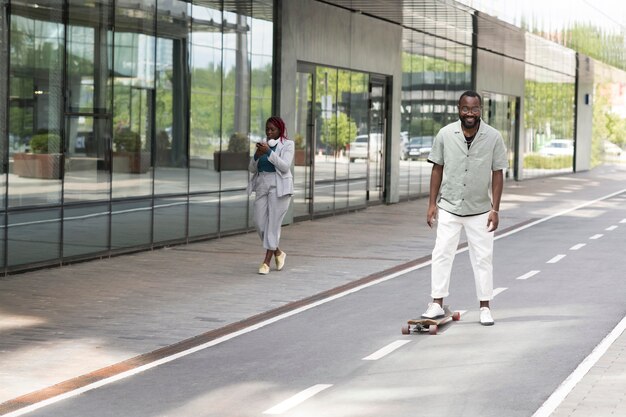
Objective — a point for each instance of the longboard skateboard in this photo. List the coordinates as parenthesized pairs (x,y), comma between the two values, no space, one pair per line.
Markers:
(430,325)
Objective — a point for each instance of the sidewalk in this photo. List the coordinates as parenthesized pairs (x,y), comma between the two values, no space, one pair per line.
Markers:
(60,323)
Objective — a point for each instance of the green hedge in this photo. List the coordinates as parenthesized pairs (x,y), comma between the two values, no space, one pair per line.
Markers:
(550,162)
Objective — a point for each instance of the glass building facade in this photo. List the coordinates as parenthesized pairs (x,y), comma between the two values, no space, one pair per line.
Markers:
(129,125)
(124,123)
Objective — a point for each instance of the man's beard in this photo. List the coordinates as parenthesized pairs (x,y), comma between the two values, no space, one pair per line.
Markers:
(476,122)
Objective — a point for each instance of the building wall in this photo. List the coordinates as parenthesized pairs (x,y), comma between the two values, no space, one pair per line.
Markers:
(324,35)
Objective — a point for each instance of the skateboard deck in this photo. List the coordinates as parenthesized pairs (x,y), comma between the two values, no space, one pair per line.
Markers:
(431,325)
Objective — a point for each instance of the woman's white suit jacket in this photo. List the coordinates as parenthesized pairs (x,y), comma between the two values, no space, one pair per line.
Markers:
(281,158)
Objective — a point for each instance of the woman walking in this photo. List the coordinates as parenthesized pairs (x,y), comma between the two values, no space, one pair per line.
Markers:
(272,183)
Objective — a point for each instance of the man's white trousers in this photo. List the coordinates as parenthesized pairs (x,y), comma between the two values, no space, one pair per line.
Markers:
(480,243)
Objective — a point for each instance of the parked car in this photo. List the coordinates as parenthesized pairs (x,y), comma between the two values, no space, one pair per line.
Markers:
(611,149)
(419,147)
(358,149)
(558,147)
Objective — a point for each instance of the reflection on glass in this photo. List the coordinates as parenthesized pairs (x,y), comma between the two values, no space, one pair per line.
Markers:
(85,230)
(134,99)
(33,236)
(35,106)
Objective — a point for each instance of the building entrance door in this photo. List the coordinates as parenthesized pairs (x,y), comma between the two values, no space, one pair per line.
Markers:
(339,130)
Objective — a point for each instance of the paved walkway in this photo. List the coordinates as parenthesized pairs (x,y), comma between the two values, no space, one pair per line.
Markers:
(60,323)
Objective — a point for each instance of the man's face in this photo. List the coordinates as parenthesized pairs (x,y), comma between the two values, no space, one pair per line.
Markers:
(469,112)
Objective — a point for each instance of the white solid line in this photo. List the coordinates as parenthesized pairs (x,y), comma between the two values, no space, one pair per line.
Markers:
(267,322)
(611,228)
(556,259)
(598,236)
(297,399)
(557,397)
(386,350)
(499,291)
(528,275)
(578,246)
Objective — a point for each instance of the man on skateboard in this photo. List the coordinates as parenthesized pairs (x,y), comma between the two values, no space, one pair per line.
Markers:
(468,157)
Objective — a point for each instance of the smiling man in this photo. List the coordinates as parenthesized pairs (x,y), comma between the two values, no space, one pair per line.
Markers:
(468,158)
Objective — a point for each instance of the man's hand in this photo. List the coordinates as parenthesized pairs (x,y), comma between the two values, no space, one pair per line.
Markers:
(431,215)
(492,221)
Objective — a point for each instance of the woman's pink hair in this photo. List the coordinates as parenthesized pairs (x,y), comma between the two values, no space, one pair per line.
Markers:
(280,124)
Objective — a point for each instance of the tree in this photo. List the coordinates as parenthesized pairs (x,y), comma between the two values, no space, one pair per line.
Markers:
(337,131)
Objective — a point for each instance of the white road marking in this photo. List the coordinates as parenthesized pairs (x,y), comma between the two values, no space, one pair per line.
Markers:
(528,275)
(578,246)
(575,377)
(386,350)
(611,228)
(297,399)
(556,259)
(135,371)
(499,291)
(598,236)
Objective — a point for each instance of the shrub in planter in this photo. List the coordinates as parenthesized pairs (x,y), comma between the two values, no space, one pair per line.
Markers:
(127,155)
(237,155)
(44,161)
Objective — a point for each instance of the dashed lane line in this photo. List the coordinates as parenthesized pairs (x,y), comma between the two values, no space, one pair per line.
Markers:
(556,259)
(528,275)
(499,291)
(598,236)
(578,246)
(380,353)
(297,399)
(610,228)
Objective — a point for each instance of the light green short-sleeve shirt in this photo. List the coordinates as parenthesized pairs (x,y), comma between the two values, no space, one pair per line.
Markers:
(466,185)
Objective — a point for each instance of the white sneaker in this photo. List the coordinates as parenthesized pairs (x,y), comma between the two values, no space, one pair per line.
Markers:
(485,317)
(435,311)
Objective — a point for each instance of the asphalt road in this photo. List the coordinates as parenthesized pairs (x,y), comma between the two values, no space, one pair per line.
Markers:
(560,291)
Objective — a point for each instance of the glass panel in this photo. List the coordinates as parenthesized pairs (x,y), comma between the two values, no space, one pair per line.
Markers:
(206,81)
(35,105)
(170,148)
(170,218)
(85,230)
(235,148)
(324,188)
(131,224)
(86,175)
(302,135)
(134,98)
(5,145)
(233,208)
(88,123)
(346,130)
(203,215)
(376,142)
(359,112)
(33,236)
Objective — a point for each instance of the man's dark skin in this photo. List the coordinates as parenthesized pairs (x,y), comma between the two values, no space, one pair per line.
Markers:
(470,122)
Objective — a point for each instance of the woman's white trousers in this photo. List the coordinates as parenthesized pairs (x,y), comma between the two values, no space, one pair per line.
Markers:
(269,210)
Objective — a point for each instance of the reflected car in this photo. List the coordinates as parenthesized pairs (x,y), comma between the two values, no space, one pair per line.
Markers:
(358,149)
(419,147)
(558,147)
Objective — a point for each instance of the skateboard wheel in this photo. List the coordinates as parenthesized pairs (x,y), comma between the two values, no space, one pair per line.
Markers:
(433,329)
(456,316)
(405,329)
